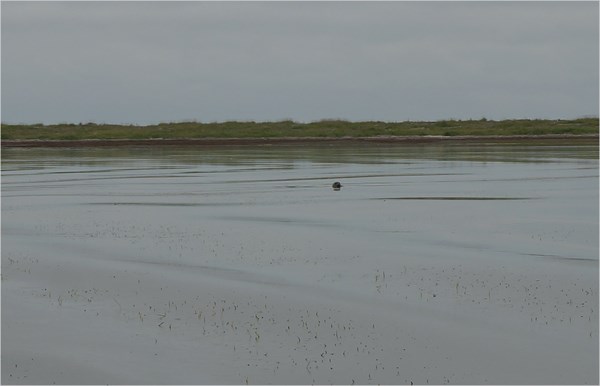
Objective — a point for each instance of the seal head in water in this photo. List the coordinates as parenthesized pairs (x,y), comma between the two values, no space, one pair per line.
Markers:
(336,186)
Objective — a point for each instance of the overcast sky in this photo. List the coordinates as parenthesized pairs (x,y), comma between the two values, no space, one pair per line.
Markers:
(151,62)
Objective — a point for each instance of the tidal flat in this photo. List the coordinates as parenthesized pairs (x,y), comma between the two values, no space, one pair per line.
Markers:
(441,263)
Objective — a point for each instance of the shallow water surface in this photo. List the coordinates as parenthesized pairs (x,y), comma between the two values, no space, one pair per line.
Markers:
(437,263)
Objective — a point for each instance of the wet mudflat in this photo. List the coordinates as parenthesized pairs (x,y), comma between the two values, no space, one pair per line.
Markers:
(435,263)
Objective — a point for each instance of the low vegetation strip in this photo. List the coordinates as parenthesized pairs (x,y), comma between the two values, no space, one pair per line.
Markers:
(293,130)
(546,139)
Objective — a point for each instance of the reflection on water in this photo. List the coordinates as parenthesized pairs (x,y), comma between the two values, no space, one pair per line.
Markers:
(338,153)
(509,193)
(492,248)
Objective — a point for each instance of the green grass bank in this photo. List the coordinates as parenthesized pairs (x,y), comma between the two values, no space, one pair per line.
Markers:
(291,129)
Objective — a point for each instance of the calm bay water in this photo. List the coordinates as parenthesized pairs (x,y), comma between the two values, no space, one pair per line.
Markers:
(506,201)
(426,228)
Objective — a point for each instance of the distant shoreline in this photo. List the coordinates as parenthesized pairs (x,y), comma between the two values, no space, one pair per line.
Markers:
(28,143)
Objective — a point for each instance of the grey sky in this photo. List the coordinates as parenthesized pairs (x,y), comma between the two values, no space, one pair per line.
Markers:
(150,62)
